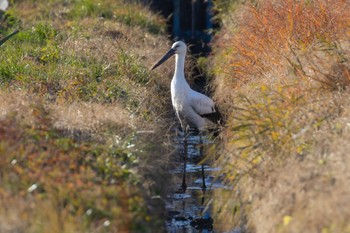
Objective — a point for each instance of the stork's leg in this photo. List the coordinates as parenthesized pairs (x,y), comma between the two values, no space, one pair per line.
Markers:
(184,185)
(201,154)
(203,197)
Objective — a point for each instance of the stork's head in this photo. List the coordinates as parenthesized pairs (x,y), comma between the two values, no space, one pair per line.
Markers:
(178,48)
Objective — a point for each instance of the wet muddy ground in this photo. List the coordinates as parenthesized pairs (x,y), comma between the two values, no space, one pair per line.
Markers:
(188,207)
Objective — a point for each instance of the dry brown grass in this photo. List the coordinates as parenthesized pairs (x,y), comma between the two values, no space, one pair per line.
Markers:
(312,190)
(76,116)
(285,39)
(282,75)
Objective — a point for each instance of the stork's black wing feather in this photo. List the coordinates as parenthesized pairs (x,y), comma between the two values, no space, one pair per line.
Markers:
(215,117)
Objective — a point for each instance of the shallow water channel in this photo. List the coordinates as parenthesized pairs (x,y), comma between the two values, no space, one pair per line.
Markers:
(188,208)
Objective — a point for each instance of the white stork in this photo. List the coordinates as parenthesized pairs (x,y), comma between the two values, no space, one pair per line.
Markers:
(191,107)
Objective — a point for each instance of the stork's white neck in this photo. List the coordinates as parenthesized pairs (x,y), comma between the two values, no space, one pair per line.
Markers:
(180,67)
(179,86)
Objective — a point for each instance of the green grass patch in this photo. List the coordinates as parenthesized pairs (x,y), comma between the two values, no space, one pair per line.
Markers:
(61,173)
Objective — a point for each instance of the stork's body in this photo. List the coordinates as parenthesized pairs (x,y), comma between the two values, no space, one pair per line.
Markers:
(189,105)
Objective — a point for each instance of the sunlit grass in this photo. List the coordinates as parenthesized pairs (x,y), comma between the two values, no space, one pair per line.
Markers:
(281,68)
(274,60)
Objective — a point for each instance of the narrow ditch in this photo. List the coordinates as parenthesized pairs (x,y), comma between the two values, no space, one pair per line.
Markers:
(188,209)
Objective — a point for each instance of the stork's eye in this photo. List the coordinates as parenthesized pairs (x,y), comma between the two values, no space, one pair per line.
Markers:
(176,46)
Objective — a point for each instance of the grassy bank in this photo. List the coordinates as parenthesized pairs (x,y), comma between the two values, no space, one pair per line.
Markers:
(282,76)
(79,117)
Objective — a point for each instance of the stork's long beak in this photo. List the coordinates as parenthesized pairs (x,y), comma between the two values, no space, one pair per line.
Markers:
(3,40)
(170,53)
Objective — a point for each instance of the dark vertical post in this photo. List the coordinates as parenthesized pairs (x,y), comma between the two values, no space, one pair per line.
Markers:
(176,19)
(208,21)
(193,25)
